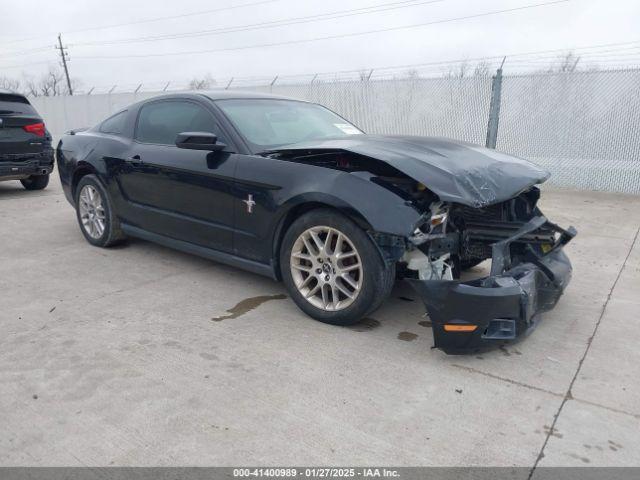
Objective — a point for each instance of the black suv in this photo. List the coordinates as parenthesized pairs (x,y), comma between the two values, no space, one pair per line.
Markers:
(25,144)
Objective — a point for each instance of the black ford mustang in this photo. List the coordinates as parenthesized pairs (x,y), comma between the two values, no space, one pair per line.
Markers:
(291,190)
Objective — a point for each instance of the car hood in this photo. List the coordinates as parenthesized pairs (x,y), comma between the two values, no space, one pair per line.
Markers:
(456,171)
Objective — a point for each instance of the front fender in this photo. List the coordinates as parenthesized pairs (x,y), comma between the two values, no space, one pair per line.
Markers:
(372,206)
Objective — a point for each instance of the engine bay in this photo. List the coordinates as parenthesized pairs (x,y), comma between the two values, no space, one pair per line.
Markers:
(454,238)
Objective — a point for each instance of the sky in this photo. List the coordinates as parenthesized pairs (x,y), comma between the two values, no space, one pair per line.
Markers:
(255,40)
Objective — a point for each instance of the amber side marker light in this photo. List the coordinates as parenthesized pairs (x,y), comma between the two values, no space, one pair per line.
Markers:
(459,328)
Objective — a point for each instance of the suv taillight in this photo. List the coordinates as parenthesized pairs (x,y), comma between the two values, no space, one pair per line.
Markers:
(35,128)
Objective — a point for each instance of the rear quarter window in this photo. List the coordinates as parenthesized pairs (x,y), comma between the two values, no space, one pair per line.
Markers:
(114,124)
(13,103)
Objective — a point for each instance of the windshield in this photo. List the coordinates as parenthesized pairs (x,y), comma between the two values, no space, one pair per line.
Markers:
(267,123)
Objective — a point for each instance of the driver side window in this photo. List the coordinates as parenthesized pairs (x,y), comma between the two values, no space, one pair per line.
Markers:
(161,122)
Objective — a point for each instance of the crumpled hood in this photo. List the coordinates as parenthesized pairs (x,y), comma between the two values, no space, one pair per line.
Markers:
(456,171)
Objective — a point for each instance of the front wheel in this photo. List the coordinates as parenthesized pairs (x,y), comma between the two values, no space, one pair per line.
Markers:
(35,182)
(332,269)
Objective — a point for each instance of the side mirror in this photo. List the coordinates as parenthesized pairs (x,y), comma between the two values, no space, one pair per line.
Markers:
(199,141)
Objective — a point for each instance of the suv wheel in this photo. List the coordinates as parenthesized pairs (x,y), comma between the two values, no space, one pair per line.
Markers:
(332,269)
(35,182)
(97,220)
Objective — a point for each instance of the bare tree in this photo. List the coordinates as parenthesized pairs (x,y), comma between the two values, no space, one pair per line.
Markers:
(565,63)
(460,70)
(413,74)
(203,83)
(482,69)
(31,86)
(10,84)
(50,84)
(364,75)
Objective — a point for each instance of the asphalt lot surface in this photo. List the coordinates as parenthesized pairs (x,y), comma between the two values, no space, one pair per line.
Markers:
(140,355)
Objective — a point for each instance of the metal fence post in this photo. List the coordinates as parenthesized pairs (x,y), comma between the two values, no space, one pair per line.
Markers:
(494,109)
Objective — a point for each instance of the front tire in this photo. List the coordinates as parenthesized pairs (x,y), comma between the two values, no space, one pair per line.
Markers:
(95,214)
(332,269)
(35,182)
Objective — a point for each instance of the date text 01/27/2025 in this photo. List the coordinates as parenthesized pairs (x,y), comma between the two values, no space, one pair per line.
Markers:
(316,472)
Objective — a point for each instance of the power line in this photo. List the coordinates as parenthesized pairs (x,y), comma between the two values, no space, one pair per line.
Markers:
(588,47)
(148,20)
(582,60)
(612,54)
(330,37)
(22,65)
(562,50)
(493,60)
(512,58)
(271,24)
(173,17)
(29,51)
(275,23)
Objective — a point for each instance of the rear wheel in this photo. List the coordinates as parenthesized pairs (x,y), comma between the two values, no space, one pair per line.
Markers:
(96,218)
(332,269)
(35,182)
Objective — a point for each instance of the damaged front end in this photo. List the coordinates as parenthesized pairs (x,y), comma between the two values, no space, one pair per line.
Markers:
(453,206)
(529,271)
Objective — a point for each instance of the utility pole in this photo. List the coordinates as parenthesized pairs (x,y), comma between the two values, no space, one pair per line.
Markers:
(494,108)
(63,55)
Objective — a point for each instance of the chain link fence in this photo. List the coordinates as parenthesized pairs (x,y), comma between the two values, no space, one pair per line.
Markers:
(582,126)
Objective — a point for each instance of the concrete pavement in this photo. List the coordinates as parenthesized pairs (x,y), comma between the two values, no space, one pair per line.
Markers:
(140,355)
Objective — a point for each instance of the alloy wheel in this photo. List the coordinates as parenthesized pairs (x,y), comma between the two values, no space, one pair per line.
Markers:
(92,214)
(326,268)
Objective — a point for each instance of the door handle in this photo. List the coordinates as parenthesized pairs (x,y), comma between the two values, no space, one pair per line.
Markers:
(136,160)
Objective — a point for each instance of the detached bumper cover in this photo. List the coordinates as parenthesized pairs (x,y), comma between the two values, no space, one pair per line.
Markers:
(503,306)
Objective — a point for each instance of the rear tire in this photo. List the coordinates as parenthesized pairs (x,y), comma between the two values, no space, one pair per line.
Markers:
(317,281)
(95,214)
(35,182)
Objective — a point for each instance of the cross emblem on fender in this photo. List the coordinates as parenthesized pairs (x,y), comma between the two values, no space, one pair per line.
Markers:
(250,203)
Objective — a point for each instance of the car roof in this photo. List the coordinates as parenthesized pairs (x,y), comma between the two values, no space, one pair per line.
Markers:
(212,95)
(218,95)
(225,94)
